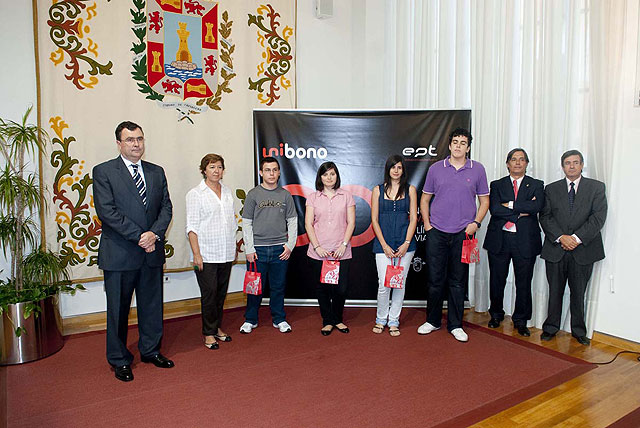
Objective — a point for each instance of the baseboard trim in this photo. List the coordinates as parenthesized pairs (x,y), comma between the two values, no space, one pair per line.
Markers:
(181,308)
(624,344)
(4,414)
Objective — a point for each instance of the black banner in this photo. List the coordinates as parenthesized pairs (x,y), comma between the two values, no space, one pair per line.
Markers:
(359,143)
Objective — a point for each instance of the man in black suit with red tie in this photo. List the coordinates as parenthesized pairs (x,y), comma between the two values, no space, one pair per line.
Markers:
(132,202)
(513,234)
(574,213)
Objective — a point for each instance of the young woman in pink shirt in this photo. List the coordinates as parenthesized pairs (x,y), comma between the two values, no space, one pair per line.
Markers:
(330,220)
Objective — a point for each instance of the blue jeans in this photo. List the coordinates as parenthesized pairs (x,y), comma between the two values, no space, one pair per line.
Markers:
(273,273)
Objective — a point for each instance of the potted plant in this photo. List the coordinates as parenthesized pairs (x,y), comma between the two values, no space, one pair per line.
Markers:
(30,326)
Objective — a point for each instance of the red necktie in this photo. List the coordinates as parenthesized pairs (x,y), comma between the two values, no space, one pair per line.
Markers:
(509,224)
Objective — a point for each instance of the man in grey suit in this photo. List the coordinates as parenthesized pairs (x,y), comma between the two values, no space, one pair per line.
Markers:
(132,202)
(574,212)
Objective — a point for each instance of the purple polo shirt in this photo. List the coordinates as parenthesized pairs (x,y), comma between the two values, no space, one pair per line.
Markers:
(454,192)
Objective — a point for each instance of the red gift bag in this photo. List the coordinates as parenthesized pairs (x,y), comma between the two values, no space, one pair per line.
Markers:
(393,278)
(330,273)
(470,250)
(252,281)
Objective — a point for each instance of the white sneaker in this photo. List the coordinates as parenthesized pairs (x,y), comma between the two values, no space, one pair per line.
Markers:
(284,327)
(427,328)
(247,327)
(460,335)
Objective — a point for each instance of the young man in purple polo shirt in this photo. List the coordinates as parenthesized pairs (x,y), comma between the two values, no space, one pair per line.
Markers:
(451,188)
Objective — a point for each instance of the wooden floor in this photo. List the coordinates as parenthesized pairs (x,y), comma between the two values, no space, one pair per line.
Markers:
(595,399)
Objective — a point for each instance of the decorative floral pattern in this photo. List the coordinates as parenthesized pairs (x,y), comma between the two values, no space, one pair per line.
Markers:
(226,49)
(78,225)
(241,194)
(277,54)
(68,31)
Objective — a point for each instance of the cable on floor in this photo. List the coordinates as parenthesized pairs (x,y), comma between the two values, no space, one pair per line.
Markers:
(616,356)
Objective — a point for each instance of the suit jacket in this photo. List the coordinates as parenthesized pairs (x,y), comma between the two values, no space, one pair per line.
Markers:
(124,217)
(527,227)
(589,214)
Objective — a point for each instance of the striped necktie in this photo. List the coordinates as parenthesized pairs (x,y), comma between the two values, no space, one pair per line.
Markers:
(572,196)
(137,178)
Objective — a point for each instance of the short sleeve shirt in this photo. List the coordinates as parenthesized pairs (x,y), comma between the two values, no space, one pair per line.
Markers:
(330,220)
(454,192)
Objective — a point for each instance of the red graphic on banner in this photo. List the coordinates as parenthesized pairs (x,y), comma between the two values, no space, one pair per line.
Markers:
(155,59)
(193,7)
(210,64)
(196,88)
(210,29)
(365,194)
(171,86)
(170,5)
(155,21)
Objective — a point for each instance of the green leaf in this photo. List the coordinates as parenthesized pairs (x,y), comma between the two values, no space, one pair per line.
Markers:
(138,48)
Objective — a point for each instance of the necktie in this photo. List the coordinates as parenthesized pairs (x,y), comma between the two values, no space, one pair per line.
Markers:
(137,178)
(509,224)
(572,196)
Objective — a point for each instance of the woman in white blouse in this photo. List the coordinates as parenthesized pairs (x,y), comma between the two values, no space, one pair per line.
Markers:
(211,229)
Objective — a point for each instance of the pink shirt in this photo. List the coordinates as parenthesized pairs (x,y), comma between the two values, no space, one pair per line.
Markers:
(330,220)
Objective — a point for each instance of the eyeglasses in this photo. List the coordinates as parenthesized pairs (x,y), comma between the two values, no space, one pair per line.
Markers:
(132,140)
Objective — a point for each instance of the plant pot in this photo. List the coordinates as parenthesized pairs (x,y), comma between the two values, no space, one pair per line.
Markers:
(42,335)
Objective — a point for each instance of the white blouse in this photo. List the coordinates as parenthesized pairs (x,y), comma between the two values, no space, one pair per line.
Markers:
(213,220)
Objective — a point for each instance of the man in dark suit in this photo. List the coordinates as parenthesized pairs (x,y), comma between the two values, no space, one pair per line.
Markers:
(574,212)
(132,202)
(513,234)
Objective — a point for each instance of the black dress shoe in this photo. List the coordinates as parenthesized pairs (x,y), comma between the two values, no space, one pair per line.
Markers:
(326,332)
(583,340)
(123,373)
(523,331)
(342,330)
(213,345)
(223,337)
(494,323)
(158,360)
(546,336)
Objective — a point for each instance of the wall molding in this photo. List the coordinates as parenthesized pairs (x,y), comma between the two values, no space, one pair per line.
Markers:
(180,308)
(618,342)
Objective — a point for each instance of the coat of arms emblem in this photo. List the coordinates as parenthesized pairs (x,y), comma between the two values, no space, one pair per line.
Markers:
(182,47)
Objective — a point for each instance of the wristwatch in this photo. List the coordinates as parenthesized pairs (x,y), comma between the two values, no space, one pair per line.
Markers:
(345,244)
(478,223)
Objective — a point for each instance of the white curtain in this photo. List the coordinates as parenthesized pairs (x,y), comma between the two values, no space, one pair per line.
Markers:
(543,75)
(427,43)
